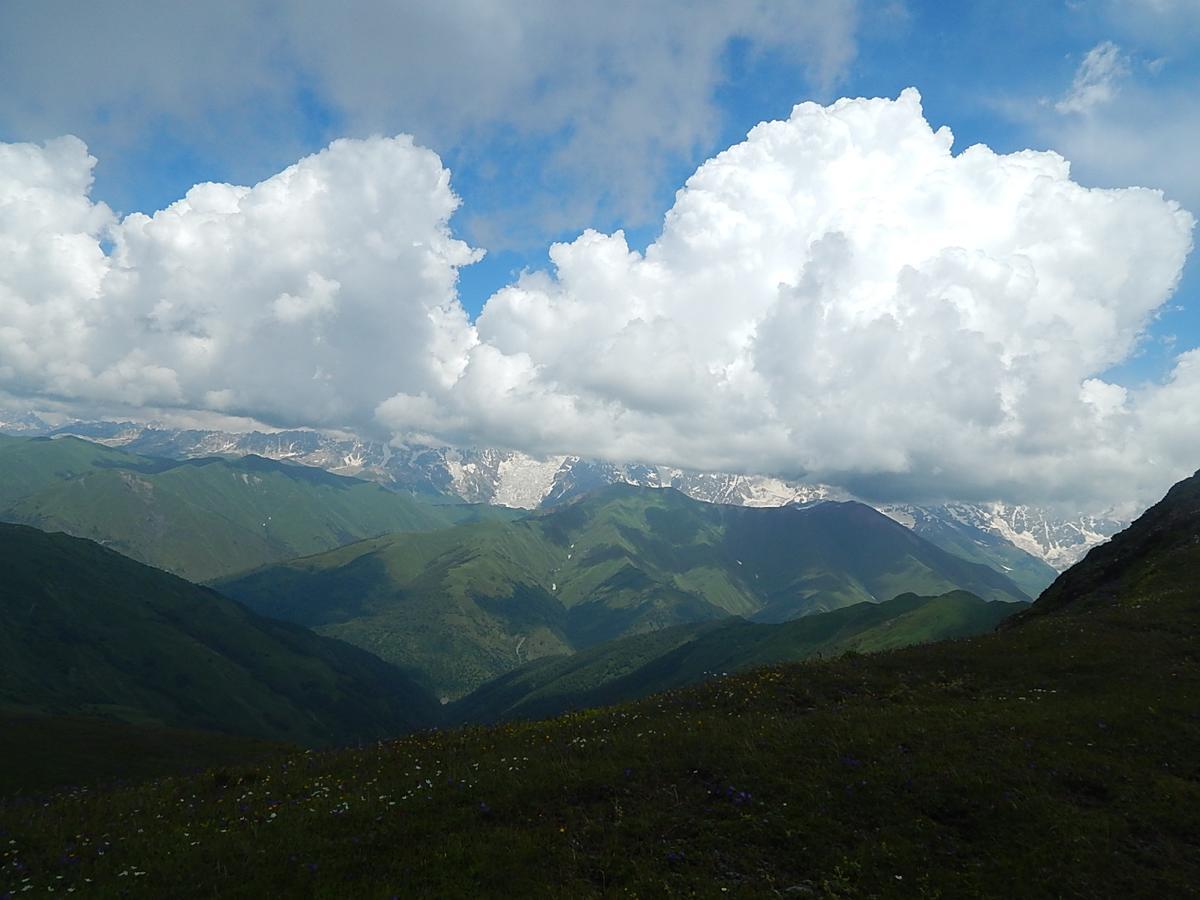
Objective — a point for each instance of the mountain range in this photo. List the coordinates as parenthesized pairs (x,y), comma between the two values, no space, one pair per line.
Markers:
(1031,544)
(100,648)
(462,605)
(201,518)
(633,667)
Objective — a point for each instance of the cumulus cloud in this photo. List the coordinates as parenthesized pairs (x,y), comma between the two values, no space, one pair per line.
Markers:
(839,297)
(842,297)
(296,301)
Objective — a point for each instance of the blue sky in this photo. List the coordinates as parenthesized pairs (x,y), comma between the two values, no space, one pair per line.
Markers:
(975,65)
(558,117)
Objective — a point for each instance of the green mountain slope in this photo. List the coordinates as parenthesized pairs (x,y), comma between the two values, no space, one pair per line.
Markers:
(1154,560)
(199,518)
(1055,757)
(466,604)
(85,631)
(634,667)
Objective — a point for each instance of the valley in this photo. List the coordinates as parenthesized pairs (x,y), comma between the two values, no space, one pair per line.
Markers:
(452,605)
(600,450)
(781,777)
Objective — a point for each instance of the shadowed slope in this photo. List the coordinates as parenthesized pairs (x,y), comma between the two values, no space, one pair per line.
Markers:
(635,667)
(1155,558)
(84,630)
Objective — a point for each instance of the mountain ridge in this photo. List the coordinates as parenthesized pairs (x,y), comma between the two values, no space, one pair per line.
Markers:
(200,518)
(633,667)
(498,476)
(1053,757)
(618,561)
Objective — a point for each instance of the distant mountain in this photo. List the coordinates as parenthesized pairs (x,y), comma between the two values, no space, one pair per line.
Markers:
(1009,534)
(23,423)
(466,604)
(86,631)
(199,518)
(634,667)
(997,534)
(974,533)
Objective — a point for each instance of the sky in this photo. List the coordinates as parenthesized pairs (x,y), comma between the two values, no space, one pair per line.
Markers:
(922,250)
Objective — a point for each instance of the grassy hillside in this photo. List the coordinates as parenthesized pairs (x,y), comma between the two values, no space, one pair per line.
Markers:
(41,753)
(456,606)
(464,605)
(638,666)
(1158,556)
(198,518)
(85,631)
(1058,757)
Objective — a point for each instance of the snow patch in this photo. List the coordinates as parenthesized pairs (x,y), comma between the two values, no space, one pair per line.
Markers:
(523,482)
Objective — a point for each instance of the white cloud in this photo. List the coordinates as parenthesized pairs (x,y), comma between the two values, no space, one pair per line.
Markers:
(842,296)
(839,296)
(1132,112)
(589,101)
(1096,79)
(298,300)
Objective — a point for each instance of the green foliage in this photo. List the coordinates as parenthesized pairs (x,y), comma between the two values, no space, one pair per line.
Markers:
(1055,758)
(199,518)
(638,666)
(85,631)
(464,605)
(41,753)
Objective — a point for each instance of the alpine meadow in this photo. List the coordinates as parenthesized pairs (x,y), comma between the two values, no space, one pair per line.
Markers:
(668,449)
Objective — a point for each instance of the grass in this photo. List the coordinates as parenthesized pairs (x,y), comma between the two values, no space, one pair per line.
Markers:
(1055,759)
(200,519)
(84,630)
(455,605)
(44,753)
